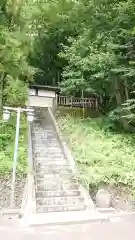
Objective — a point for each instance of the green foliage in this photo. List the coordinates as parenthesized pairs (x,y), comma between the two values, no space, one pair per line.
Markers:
(86,45)
(129,107)
(51,30)
(102,156)
(101,52)
(16,92)
(15,72)
(7,139)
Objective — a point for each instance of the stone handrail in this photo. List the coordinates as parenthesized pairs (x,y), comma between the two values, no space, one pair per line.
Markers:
(71,161)
(29,191)
(31,168)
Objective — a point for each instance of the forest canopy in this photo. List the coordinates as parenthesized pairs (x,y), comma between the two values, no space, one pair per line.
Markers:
(78,45)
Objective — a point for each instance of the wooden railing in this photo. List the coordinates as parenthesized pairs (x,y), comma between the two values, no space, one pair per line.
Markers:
(78,102)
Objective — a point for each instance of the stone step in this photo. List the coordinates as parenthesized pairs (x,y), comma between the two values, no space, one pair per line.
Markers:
(52,157)
(45,154)
(51,162)
(45,143)
(52,154)
(55,149)
(64,178)
(47,168)
(43,133)
(55,181)
(46,127)
(47,158)
(48,150)
(57,187)
(40,152)
(62,174)
(40,158)
(60,200)
(43,138)
(39,130)
(51,134)
(61,208)
(42,194)
(52,148)
(40,165)
(39,135)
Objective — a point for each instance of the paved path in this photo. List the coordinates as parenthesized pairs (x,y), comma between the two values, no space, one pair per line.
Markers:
(9,229)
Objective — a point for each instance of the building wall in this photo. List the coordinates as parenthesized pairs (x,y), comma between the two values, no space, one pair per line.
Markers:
(45,93)
(40,101)
(32,92)
(43,99)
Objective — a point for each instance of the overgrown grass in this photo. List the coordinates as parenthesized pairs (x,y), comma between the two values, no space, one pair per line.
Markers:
(103,157)
(7,138)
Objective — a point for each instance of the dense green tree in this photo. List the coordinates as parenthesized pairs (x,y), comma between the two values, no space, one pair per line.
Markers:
(14,46)
(101,57)
(80,45)
(51,31)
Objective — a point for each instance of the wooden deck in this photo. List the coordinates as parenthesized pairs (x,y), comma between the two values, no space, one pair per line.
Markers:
(78,102)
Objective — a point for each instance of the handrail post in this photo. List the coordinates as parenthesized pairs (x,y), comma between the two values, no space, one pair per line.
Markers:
(30,157)
(31,168)
(15,158)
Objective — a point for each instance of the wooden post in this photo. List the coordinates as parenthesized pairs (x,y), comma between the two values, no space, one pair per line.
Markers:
(1,89)
(83,109)
(56,99)
(71,102)
(96,104)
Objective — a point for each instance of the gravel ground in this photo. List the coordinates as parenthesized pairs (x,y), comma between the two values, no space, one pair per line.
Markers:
(122,199)
(5,191)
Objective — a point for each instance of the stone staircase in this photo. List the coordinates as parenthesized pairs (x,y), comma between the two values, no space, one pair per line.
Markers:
(57,189)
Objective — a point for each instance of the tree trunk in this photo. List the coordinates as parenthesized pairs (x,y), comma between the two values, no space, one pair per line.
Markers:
(119,101)
(126,89)
(117,93)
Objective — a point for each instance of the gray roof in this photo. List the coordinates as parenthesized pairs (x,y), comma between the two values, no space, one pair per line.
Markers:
(45,87)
